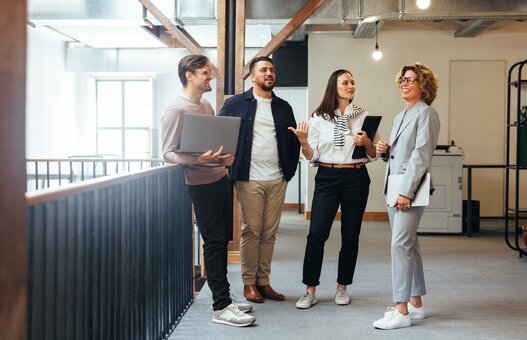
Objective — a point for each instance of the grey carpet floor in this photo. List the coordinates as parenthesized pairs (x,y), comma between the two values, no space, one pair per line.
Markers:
(477,289)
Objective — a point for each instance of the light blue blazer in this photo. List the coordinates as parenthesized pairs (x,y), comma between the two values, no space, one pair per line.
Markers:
(412,145)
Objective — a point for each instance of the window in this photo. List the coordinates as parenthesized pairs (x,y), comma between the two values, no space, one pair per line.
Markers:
(124,117)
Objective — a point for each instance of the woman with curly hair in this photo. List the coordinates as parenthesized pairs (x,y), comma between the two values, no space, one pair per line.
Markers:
(409,153)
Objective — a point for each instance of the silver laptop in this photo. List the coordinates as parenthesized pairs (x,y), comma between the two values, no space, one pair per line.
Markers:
(202,133)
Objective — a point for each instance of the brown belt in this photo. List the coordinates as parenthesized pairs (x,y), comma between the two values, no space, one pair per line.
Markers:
(342,166)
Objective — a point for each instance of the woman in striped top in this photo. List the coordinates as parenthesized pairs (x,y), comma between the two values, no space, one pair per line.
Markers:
(331,139)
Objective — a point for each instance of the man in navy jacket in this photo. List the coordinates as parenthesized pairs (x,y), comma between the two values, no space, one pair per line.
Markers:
(266,159)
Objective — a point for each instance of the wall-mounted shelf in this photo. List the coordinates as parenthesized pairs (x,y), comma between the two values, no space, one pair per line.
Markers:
(522,82)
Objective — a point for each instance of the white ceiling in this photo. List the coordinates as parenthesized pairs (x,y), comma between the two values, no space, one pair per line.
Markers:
(117,23)
(102,35)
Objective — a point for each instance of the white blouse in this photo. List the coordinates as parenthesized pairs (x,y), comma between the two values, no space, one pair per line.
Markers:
(321,140)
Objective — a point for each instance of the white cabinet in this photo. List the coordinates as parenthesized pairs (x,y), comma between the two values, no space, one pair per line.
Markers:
(444,214)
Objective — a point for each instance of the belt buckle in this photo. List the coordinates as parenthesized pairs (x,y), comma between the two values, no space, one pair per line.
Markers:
(338,166)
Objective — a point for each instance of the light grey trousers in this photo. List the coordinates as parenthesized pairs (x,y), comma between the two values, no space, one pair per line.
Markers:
(407,267)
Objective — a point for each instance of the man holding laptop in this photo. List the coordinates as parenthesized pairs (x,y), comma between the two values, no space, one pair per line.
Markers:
(206,179)
(266,159)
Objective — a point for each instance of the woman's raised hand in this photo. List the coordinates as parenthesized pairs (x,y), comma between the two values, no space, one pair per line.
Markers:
(300,132)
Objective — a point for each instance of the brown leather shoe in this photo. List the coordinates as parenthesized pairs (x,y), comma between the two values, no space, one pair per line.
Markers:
(252,294)
(269,293)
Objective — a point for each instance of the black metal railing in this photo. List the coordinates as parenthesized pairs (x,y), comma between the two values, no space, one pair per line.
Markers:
(110,258)
(43,173)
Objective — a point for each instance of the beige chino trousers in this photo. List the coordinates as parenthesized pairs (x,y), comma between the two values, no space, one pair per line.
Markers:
(261,205)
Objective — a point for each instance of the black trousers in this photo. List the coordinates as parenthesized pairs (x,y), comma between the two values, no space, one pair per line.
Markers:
(348,188)
(211,207)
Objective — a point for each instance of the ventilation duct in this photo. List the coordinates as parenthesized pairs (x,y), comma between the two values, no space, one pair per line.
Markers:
(475,28)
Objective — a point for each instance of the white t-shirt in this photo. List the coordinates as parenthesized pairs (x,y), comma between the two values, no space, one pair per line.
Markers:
(264,155)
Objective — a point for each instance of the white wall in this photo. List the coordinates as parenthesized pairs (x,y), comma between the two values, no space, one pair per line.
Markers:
(401,45)
(51,97)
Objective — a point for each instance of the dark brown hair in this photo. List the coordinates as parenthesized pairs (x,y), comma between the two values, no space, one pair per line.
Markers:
(257,59)
(190,63)
(329,102)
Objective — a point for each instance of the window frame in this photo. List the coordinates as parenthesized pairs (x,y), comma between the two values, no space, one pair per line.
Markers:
(123,128)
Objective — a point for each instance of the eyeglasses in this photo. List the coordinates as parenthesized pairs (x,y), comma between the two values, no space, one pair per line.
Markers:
(409,80)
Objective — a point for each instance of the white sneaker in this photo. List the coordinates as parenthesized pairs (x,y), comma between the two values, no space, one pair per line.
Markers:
(243,306)
(393,319)
(341,297)
(416,313)
(232,316)
(306,301)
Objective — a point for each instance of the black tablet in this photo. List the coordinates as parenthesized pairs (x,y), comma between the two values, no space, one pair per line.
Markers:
(370,126)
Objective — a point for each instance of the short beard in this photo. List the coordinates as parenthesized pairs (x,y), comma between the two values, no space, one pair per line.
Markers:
(206,88)
(267,88)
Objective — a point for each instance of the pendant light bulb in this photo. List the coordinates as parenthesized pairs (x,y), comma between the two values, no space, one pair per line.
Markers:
(423,4)
(377,54)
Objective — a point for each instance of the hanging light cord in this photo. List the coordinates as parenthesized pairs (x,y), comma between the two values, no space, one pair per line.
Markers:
(376,41)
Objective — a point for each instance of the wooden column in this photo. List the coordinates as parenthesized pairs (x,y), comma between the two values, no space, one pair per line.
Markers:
(13,240)
(220,52)
(240,45)
(234,246)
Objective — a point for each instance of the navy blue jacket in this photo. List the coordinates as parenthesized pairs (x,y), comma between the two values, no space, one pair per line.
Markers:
(244,106)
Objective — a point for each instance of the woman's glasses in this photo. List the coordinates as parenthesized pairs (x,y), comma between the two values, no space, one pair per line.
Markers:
(409,80)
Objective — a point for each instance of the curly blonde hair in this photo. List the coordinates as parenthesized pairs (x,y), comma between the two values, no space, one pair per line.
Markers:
(428,83)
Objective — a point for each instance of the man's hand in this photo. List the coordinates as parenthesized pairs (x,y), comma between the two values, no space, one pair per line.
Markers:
(227,159)
(210,156)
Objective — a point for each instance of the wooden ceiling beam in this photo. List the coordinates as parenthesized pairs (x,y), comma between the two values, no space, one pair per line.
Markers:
(161,34)
(286,32)
(177,33)
(190,45)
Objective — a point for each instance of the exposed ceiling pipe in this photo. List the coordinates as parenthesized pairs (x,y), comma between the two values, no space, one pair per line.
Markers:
(474,28)
(360,10)
(384,16)
(365,28)
(401,9)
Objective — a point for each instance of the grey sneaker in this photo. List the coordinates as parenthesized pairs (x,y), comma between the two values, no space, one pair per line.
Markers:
(232,316)
(341,297)
(416,313)
(306,301)
(244,307)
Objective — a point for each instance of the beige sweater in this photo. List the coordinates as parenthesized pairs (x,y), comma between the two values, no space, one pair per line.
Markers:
(171,129)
